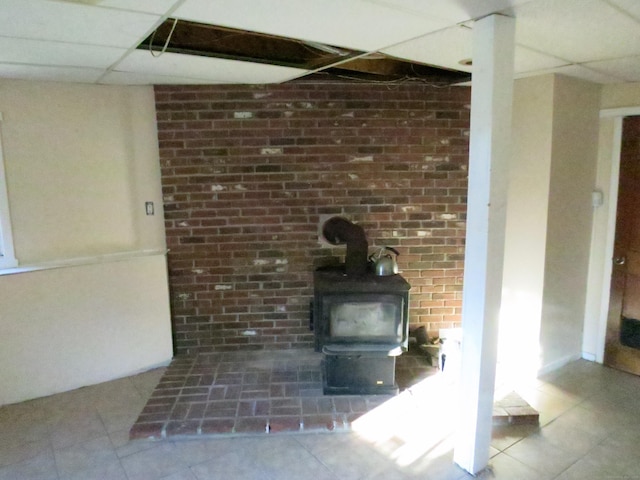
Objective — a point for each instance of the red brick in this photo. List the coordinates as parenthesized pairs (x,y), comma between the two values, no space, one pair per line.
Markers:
(227,206)
(217,425)
(147,431)
(185,427)
(284,424)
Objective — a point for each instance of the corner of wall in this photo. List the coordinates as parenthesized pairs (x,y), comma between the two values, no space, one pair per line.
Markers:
(572,179)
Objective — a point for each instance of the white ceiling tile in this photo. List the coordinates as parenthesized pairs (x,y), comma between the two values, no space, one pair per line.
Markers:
(577,30)
(150,6)
(129,78)
(215,70)
(625,68)
(72,22)
(631,7)
(40,52)
(602,36)
(576,71)
(454,12)
(447,48)
(444,48)
(59,74)
(527,60)
(355,24)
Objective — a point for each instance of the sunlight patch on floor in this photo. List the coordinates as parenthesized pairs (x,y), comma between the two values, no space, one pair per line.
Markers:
(416,424)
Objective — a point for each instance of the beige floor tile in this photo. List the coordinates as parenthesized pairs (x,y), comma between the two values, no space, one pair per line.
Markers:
(71,429)
(120,416)
(22,424)
(125,447)
(550,403)
(504,467)
(185,474)
(75,402)
(11,453)
(493,452)
(40,467)
(146,382)
(569,436)
(597,422)
(588,468)
(503,437)
(157,462)
(111,470)
(234,465)
(439,467)
(118,390)
(631,468)
(538,454)
(318,442)
(85,455)
(281,457)
(620,452)
(340,460)
(194,452)
(276,458)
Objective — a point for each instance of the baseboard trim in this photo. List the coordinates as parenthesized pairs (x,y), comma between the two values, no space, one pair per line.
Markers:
(561,362)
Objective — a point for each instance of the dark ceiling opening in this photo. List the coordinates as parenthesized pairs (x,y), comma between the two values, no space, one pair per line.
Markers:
(326,61)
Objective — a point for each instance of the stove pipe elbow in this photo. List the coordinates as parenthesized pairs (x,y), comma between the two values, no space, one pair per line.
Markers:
(337,231)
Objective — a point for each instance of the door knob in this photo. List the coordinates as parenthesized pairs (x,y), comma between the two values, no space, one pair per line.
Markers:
(620,260)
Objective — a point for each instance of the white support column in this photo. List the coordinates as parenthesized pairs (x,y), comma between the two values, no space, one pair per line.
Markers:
(491,99)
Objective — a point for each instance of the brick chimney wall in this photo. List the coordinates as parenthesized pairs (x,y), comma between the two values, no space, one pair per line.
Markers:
(250,172)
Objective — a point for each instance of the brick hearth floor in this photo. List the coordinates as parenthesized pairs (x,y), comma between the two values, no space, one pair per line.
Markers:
(257,392)
(271,392)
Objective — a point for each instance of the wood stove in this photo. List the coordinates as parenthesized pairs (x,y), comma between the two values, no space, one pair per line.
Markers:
(360,320)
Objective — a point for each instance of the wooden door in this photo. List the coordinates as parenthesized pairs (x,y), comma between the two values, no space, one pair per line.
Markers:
(622,347)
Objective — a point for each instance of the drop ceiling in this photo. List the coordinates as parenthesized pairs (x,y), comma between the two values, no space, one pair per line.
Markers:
(103,41)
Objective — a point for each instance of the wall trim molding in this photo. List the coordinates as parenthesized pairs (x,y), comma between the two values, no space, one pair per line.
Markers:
(619,112)
(80,261)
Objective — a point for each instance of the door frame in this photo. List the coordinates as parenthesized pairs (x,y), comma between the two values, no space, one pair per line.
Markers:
(601,267)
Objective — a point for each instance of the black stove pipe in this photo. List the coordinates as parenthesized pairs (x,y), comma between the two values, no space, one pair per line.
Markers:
(338,230)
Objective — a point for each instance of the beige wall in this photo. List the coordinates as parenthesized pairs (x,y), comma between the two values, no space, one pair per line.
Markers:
(549,219)
(573,176)
(80,162)
(69,327)
(526,228)
(620,96)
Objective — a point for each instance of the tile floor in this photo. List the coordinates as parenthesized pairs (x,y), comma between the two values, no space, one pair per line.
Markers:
(589,429)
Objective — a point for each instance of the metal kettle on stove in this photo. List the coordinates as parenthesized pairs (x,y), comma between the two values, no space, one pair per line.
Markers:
(383,263)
